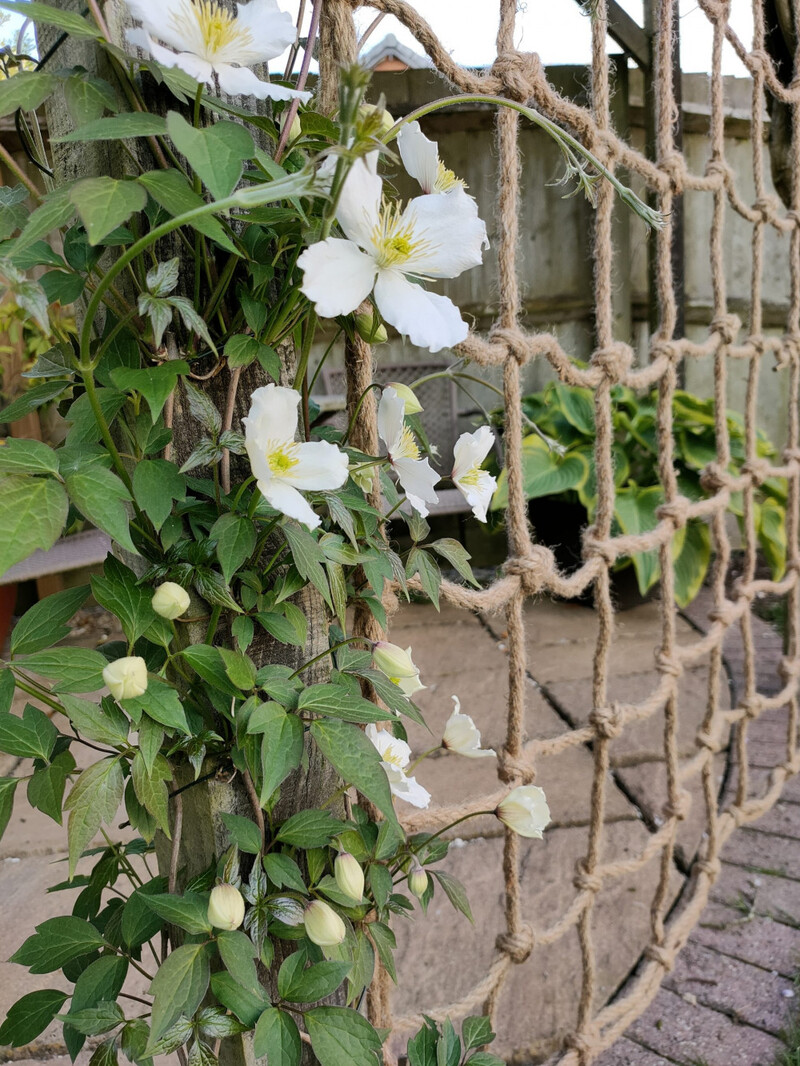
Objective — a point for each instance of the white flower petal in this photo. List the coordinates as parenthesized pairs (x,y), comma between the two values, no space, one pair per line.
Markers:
(289,501)
(412,792)
(273,415)
(398,752)
(360,201)
(478,492)
(451,234)
(419,154)
(337,276)
(172,21)
(462,736)
(391,411)
(428,320)
(417,478)
(269,31)
(188,62)
(241,81)
(470,450)
(320,466)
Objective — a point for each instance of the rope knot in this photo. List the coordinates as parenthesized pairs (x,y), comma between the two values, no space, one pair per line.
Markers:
(606,721)
(679,807)
(793,216)
(752,706)
(658,953)
(515,341)
(513,768)
(766,206)
(518,946)
(710,867)
(759,470)
(707,738)
(760,61)
(585,1043)
(614,360)
(533,569)
(789,668)
(791,455)
(592,545)
(674,166)
(668,664)
(727,326)
(725,612)
(675,511)
(715,478)
(585,881)
(663,346)
(519,73)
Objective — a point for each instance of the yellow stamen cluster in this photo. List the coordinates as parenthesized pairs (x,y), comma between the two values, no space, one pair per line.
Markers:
(281,458)
(217,26)
(408,447)
(393,238)
(472,476)
(446,180)
(389,754)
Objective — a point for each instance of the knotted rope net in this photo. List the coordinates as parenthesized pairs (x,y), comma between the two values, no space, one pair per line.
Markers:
(531,570)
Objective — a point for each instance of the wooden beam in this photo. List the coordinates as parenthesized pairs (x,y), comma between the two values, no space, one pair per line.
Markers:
(628,34)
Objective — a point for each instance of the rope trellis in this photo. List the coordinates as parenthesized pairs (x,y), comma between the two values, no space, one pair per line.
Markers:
(531,569)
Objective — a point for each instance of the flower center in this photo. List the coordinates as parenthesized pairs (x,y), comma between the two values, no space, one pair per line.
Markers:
(393,238)
(282,458)
(393,757)
(472,477)
(408,447)
(217,26)
(446,179)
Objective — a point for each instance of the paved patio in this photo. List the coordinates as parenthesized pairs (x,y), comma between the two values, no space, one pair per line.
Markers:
(726,1001)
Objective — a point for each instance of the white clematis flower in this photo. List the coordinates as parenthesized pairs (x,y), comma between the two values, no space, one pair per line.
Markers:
(416,475)
(205,39)
(395,756)
(525,811)
(421,159)
(398,667)
(283,467)
(432,237)
(462,736)
(476,485)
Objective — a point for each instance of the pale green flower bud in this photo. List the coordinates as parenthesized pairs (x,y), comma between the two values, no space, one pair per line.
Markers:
(413,406)
(349,876)
(323,925)
(226,907)
(525,811)
(398,666)
(370,328)
(418,881)
(386,120)
(363,478)
(170,600)
(126,677)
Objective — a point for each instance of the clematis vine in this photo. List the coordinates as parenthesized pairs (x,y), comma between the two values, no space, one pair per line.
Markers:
(208,42)
(395,756)
(416,475)
(477,486)
(390,249)
(284,468)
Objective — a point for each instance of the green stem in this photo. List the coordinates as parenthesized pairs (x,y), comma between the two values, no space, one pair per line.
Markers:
(328,651)
(321,363)
(355,413)
(213,622)
(424,755)
(87,373)
(568,144)
(242,487)
(444,829)
(35,691)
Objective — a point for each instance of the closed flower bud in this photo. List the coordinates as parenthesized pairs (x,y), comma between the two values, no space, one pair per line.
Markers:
(323,925)
(349,876)
(170,600)
(364,478)
(525,811)
(418,881)
(373,111)
(413,406)
(398,666)
(370,328)
(226,907)
(126,677)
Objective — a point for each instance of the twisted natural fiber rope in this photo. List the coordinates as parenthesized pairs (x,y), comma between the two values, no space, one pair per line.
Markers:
(531,569)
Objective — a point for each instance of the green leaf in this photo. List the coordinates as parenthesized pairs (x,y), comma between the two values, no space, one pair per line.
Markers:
(476,1031)
(161,703)
(101,980)
(32,399)
(635,510)
(8,786)
(171,190)
(310,829)
(73,669)
(236,540)
(691,563)
(544,472)
(55,942)
(215,153)
(214,1022)
(99,495)
(94,800)
(238,953)
(33,512)
(139,922)
(356,760)
(156,483)
(281,745)
(33,736)
(44,623)
(485,1058)
(247,1006)
(455,892)
(30,1016)
(46,786)
(189,911)
(117,591)
(244,833)
(282,870)
(151,789)
(103,723)
(105,203)
(120,127)
(27,90)
(240,668)
(155,383)
(91,1021)
(207,662)
(88,97)
(277,1038)
(385,941)
(279,627)
(314,983)
(334,701)
(46,15)
(178,987)
(457,555)
(771,530)
(55,210)
(339,1035)
(62,286)
(308,558)
(26,456)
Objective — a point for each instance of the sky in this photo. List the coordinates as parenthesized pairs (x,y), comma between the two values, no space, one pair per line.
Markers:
(556,29)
